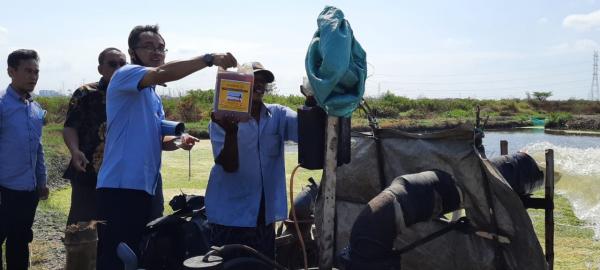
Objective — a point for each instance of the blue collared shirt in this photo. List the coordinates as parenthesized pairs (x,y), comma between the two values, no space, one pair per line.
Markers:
(132,150)
(21,153)
(233,199)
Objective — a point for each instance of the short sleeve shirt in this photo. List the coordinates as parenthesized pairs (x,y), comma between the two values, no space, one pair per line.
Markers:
(132,151)
(87,115)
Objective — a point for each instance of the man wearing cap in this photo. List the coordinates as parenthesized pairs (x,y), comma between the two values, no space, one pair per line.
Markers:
(246,191)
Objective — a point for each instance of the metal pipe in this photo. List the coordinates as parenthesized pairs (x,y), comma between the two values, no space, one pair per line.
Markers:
(549,212)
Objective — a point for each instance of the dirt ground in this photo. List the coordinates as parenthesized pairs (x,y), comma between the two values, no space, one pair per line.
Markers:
(47,249)
(583,122)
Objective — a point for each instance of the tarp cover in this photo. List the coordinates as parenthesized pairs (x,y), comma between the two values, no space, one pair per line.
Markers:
(336,64)
(454,152)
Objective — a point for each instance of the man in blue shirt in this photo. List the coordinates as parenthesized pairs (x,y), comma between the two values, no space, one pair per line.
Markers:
(129,175)
(22,169)
(246,191)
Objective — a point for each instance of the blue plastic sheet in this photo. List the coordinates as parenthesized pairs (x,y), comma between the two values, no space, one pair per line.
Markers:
(336,64)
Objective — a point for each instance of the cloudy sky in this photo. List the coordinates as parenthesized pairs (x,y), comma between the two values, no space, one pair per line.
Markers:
(460,48)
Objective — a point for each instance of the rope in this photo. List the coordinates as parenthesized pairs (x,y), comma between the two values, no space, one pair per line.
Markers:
(374,125)
(461,224)
(305,257)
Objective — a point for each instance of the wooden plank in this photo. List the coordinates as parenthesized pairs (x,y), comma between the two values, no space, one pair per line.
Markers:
(503,147)
(549,213)
(534,203)
(325,209)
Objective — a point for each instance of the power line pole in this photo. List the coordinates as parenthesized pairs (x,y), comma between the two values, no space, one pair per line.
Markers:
(594,92)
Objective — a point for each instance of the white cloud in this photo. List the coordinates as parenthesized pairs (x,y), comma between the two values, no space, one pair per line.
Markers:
(583,22)
(543,20)
(3,35)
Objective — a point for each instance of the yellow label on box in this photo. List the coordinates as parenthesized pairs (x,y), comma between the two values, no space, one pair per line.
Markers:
(234,96)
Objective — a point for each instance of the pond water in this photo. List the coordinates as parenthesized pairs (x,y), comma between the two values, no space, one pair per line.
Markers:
(577,158)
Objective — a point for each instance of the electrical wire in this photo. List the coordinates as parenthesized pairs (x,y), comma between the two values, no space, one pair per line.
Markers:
(295,219)
(494,80)
(536,68)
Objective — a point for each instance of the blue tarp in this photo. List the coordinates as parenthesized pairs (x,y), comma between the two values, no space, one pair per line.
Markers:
(336,64)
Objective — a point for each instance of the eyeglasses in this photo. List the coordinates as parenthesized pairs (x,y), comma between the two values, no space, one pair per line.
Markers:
(116,64)
(151,48)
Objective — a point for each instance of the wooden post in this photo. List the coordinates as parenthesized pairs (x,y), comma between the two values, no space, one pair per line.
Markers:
(549,212)
(503,147)
(325,209)
(80,244)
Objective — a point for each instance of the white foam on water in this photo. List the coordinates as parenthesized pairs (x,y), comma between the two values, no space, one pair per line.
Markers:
(580,181)
(569,160)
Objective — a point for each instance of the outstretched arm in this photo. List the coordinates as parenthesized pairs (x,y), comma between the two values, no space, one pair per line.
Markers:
(176,70)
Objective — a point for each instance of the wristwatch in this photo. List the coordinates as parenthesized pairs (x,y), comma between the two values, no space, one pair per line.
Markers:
(208,59)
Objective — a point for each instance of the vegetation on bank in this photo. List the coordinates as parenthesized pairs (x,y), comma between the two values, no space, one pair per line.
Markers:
(392,111)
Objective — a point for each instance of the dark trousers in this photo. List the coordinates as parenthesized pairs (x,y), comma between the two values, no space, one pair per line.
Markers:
(83,201)
(17,211)
(158,200)
(126,213)
(261,237)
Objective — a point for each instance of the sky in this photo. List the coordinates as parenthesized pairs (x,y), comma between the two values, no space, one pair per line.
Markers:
(434,49)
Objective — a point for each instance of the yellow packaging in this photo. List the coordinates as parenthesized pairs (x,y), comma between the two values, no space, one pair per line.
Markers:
(233,94)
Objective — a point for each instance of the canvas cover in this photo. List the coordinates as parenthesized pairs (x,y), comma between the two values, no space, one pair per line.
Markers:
(483,189)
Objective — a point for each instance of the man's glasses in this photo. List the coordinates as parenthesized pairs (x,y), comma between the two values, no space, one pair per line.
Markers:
(150,48)
(116,64)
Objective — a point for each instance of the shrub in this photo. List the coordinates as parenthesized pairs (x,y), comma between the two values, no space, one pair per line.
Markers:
(56,108)
(458,113)
(557,119)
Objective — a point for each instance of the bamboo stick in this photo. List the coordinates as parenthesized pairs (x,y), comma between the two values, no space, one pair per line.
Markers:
(325,212)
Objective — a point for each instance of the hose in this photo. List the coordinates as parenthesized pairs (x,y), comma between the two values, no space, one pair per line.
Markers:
(293,210)
(236,248)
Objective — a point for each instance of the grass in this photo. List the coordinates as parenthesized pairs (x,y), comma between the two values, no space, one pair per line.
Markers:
(574,247)
(59,201)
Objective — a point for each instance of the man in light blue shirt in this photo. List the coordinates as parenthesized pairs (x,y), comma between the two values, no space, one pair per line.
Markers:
(22,168)
(128,178)
(246,191)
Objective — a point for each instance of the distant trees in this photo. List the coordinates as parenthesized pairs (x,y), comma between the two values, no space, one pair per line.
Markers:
(541,96)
